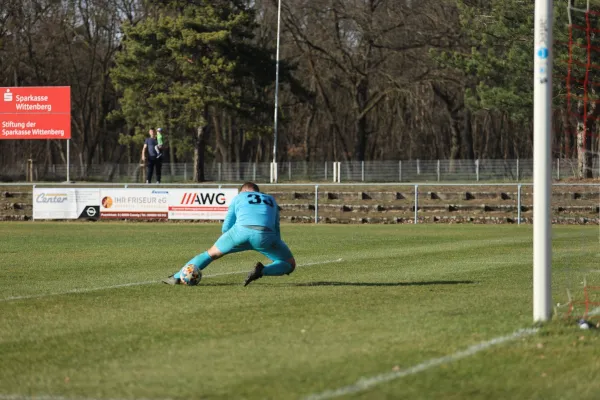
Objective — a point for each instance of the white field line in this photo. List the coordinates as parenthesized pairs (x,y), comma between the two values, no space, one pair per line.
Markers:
(495,262)
(86,290)
(83,290)
(50,397)
(366,383)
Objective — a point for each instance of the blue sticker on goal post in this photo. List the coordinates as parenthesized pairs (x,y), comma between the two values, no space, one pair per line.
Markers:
(543,53)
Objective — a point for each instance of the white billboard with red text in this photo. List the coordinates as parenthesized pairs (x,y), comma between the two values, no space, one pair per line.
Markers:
(204,204)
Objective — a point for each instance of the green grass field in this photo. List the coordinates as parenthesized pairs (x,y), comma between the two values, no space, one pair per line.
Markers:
(401,298)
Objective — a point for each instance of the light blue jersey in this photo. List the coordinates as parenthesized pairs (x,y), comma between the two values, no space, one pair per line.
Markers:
(253,209)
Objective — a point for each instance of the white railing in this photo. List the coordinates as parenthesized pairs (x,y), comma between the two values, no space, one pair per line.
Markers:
(416,189)
(339,172)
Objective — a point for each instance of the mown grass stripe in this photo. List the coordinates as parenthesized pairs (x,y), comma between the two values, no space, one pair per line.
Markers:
(87,290)
(50,397)
(366,383)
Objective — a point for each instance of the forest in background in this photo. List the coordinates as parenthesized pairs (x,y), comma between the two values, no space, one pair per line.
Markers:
(360,80)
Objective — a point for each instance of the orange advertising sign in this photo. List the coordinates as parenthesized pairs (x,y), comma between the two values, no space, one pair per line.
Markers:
(35,112)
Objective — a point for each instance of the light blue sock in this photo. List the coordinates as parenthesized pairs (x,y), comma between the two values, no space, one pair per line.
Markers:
(277,268)
(201,261)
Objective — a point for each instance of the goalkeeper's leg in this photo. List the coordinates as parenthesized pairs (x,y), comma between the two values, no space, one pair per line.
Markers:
(283,262)
(280,267)
(229,242)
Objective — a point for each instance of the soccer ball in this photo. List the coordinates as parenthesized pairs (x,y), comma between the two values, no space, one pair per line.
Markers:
(190,275)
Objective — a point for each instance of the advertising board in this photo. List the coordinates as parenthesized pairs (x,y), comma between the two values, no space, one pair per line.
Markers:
(200,204)
(111,203)
(62,203)
(134,203)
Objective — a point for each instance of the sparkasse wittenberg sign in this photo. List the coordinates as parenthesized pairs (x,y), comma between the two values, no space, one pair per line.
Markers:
(35,112)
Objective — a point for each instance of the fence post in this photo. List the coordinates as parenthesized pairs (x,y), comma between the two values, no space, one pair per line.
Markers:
(416,204)
(185,172)
(219,172)
(418,167)
(254,172)
(334,172)
(316,204)
(68,160)
(273,172)
(518,172)
(362,171)
(325,170)
(289,170)
(438,170)
(558,168)
(400,171)
(337,170)
(519,204)
(29,170)
(477,169)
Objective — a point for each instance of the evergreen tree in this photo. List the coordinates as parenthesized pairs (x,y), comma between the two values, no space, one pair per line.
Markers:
(186,59)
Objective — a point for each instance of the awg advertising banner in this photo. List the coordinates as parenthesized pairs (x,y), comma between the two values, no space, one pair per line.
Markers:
(57,203)
(210,204)
(134,203)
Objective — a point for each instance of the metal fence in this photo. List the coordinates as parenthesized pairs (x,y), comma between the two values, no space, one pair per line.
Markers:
(416,191)
(353,171)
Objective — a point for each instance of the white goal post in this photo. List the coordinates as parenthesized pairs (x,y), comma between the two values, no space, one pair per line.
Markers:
(542,164)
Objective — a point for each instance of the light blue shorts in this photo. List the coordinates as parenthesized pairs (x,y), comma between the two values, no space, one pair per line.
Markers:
(240,238)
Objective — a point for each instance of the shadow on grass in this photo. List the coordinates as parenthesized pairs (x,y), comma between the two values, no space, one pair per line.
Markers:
(306,284)
(222,284)
(426,283)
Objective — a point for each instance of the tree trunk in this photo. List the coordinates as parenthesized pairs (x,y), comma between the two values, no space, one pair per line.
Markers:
(199,152)
(171,151)
(584,141)
(221,143)
(362,95)
(236,144)
(467,138)
(169,144)
(454,144)
(584,153)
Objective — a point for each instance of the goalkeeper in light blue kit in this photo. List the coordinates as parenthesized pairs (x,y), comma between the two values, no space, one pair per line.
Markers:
(252,223)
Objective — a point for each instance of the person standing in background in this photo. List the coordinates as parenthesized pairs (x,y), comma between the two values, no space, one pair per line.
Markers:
(154,161)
